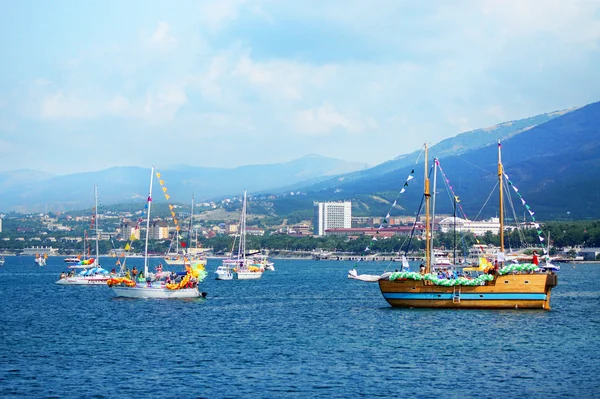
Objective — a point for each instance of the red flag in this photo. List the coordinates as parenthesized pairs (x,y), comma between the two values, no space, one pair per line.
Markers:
(183,244)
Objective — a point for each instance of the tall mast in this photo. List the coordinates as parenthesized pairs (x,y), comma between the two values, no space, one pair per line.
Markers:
(191,226)
(243,230)
(500,189)
(427,226)
(96,225)
(431,251)
(148,223)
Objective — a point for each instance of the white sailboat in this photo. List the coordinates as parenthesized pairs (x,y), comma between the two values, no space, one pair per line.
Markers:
(159,286)
(90,271)
(40,259)
(262,261)
(242,267)
(185,255)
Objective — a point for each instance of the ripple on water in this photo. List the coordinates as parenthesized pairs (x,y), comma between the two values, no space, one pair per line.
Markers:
(303,330)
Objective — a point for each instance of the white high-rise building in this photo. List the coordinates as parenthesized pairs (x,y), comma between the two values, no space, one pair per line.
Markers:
(332,215)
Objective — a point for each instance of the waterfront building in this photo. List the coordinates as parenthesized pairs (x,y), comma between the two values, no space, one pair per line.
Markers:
(159,230)
(331,215)
(464,225)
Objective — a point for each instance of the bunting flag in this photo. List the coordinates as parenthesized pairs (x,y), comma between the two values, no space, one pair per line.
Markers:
(171,207)
(127,247)
(395,203)
(531,213)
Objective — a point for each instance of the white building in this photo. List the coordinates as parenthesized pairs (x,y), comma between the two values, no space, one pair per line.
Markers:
(464,225)
(332,215)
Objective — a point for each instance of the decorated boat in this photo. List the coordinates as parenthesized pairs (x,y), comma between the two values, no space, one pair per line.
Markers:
(87,271)
(522,286)
(159,285)
(242,267)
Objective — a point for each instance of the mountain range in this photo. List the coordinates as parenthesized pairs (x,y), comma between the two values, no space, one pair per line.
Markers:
(554,164)
(552,158)
(33,191)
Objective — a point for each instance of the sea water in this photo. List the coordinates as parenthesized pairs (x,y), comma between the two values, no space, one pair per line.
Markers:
(304,330)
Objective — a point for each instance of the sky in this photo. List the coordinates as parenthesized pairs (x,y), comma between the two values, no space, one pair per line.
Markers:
(86,85)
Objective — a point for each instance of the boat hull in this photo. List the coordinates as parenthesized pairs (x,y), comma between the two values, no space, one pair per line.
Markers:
(159,292)
(83,281)
(522,291)
(248,275)
(223,276)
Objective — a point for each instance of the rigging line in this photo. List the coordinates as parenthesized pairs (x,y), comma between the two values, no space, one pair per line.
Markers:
(412,231)
(450,191)
(474,165)
(402,190)
(486,201)
(508,194)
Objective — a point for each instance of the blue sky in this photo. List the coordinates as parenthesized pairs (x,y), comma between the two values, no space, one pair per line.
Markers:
(86,85)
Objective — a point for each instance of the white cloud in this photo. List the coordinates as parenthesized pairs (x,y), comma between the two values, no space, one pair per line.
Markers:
(162,38)
(248,72)
(322,120)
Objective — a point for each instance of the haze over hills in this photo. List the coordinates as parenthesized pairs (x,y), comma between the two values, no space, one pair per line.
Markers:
(555,165)
(31,191)
(554,159)
(456,145)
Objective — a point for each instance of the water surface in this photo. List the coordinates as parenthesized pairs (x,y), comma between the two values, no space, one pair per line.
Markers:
(304,330)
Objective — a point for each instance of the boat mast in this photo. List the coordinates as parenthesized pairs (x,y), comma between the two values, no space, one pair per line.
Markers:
(500,173)
(242,232)
(148,223)
(96,219)
(431,251)
(427,226)
(191,227)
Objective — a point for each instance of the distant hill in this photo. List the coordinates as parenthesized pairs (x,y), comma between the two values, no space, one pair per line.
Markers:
(456,145)
(555,165)
(32,191)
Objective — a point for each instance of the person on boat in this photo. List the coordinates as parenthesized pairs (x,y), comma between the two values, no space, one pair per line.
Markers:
(496,267)
(113,271)
(134,272)
(63,275)
(535,259)
(422,269)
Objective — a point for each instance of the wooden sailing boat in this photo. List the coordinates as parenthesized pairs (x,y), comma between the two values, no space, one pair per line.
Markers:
(503,289)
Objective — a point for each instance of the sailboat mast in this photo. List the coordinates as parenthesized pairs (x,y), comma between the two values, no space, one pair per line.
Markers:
(191,226)
(243,230)
(500,189)
(427,226)
(96,225)
(431,251)
(148,223)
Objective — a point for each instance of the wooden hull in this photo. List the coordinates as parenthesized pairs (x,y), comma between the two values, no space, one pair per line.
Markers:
(521,291)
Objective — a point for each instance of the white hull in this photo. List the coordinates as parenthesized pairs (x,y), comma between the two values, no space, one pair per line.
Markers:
(156,292)
(83,280)
(270,267)
(182,262)
(223,276)
(248,275)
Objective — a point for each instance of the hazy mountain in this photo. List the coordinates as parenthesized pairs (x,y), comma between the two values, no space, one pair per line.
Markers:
(555,165)
(456,145)
(26,191)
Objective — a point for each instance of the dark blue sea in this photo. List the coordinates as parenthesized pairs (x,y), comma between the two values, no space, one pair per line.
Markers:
(302,331)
